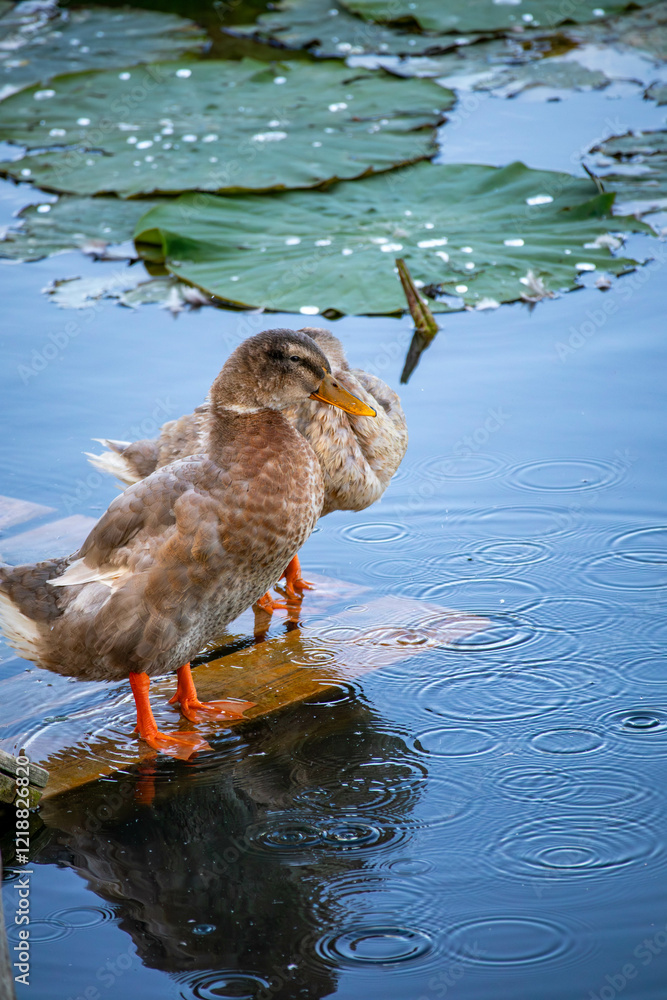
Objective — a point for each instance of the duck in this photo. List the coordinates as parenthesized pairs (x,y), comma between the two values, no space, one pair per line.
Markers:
(358,456)
(181,553)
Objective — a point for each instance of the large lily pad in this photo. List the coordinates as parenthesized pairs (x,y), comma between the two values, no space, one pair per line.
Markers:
(635,167)
(328,29)
(39,42)
(482,234)
(219,126)
(72,224)
(486,15)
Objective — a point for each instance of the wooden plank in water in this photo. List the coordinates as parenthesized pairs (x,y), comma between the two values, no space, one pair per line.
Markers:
(57,538)
(281,671)
(14,511)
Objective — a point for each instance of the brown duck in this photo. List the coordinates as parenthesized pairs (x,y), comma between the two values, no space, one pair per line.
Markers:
(180,554)
(358,456)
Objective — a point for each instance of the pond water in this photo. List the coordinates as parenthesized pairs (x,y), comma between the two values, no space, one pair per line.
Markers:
(482,820)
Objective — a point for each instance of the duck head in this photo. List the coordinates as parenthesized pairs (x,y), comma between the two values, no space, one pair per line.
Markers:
(277,369)
(331,346)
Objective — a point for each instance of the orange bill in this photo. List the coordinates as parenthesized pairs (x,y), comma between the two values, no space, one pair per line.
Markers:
(331,391)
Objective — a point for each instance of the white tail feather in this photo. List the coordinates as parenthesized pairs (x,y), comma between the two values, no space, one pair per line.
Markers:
(113,464)
(78,572)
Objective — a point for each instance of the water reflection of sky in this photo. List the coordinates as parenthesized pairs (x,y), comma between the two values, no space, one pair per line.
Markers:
(481,820)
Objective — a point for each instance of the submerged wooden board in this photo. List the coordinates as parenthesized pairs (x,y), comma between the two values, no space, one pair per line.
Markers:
(14,511)
(57,538)
(343,633)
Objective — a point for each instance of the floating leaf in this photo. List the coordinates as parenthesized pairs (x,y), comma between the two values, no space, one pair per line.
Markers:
(635,167)
(168,293)
(328,29)
(38,42)
(72,223)
(219,125)
(502,66)
(658,93)
(486,15)
(466,231)
(78,293)
(644,30)
(129,287)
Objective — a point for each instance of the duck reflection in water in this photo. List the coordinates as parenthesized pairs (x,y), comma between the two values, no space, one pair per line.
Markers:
(219,868)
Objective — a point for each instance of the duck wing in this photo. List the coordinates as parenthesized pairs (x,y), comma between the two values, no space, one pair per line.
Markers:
(170,509)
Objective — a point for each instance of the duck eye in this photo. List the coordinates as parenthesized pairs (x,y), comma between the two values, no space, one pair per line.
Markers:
(295,357)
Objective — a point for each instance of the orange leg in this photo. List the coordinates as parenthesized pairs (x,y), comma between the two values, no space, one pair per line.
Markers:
(186,695)
(294,582)
(181,745)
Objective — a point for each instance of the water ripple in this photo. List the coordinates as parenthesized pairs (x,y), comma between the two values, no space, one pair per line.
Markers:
(373,895)
(518,522)
(514,553)
(643,544)
(41,930)
(565,475)
(480,594)
(648,670)
(83,916)
(576,788)
(558,847)
(374,945)
(509,940)
(375,532)
(641,728)
(580,614)
(452,742)
(567,741)
(620,571)
(446,468)
(301,839)
(520,691)
(227,985)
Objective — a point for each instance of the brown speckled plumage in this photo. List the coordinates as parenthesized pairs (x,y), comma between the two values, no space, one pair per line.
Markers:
(181,553)
(358,455)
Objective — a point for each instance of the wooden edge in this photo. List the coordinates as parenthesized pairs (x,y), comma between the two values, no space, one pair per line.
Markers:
(274,674)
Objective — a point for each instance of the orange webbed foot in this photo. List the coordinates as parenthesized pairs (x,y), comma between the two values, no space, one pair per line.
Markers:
(179,745)
(190,705)
(294,582)
(229,709)
(266,603)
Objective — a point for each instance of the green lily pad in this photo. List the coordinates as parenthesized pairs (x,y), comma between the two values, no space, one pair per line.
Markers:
(327,29)
(486,15)
(72,224)
(472,232)
(38,43)
(635,168)
(219,126)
